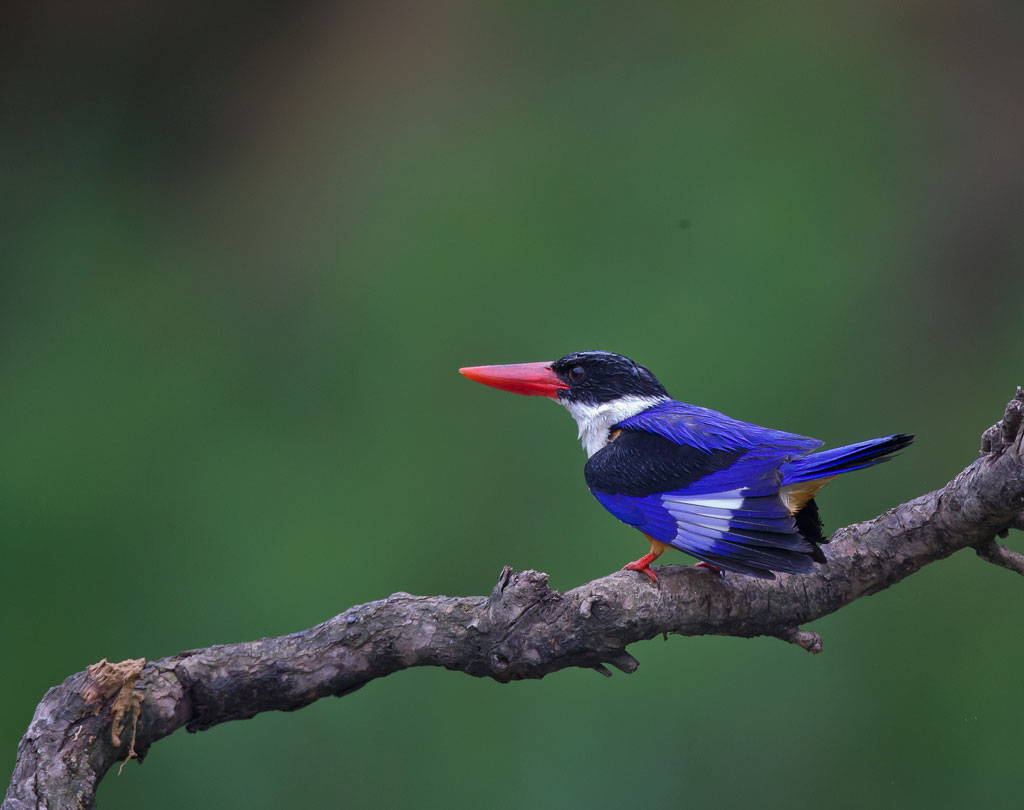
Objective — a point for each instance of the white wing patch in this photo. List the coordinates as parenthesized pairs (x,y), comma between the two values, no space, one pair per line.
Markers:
(759,521)
(730,501)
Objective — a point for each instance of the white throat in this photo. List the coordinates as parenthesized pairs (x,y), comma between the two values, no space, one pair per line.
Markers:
(595,421)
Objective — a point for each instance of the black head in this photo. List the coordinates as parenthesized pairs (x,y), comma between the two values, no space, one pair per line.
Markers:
(597,377)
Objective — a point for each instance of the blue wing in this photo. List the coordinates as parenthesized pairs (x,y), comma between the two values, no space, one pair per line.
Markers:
(710,430)
(750,535)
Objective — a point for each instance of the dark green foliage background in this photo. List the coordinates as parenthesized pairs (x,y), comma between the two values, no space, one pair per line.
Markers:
(245,248)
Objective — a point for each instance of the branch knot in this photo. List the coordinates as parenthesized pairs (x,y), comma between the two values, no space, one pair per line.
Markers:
(1008,432)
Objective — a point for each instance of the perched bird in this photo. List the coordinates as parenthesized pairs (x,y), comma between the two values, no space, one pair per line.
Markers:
(734,495)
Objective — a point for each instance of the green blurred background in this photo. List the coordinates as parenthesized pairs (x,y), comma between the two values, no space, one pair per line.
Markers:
(244,248)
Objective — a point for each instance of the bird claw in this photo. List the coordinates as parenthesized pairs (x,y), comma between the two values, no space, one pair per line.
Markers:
(714,569)
(644,568)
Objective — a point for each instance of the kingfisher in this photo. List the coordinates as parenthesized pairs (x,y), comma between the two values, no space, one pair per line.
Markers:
(737,496)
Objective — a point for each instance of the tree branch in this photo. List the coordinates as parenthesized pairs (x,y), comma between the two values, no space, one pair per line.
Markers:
(112,712)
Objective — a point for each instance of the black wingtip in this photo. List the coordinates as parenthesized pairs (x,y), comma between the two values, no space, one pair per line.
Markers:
(897,442)
(901,440)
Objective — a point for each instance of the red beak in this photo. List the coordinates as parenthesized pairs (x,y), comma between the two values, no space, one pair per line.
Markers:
(530,379)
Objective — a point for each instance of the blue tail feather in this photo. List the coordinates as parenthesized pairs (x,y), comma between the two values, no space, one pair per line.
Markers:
(843,459)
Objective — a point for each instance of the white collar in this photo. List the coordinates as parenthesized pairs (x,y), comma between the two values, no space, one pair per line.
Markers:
(595,421)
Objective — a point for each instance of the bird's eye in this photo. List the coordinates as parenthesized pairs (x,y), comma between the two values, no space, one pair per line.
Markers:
(577,374)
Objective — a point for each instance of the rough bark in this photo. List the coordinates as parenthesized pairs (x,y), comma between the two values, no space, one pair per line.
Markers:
(113,712)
